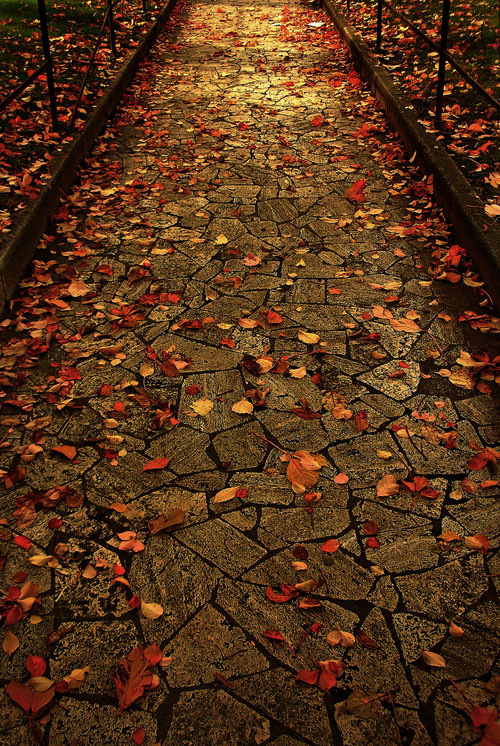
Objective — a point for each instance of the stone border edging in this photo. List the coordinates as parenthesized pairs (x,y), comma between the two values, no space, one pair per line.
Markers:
(476,232)
(18,253)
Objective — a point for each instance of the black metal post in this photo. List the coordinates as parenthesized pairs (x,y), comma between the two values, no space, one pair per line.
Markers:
(144,6)
(48,60)
(348,6)
(112,37)
(445,24)
(379,23)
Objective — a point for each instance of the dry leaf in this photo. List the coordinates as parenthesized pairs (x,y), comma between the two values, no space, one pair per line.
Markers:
(151,611)
(202,407)
(433,659)
(229,493)
(346,639)
(298,372)
(309,338)
(387,486)
(243,406)
(10,642)
(455,630)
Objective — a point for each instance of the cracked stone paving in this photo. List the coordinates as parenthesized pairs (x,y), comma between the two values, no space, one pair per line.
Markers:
(249,421)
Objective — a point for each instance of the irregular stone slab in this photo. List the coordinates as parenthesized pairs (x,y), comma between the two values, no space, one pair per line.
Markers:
(444,592)
(381,730)
(88,723)
(204,358)
(248,606)
(264,489)
(223,545)
(299,708)
(210,642)
(186,448)
(238,448)
(223,719)
(296,525)
(396,388)
(292,432)
(107,484)
(359,461)
(172,575)
(100,645)
(416,634)
(223,389)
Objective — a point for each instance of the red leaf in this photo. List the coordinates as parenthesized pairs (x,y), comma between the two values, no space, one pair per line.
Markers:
(193,389)
(288,593)
(23,542)
(308,677)
(156,463)
(330,546)
(370,528)
(68,451)
(373,542)
(300,552)
(139,736)
(355,192)
(21,694)
(317,121)
(227,343)
(35,665)
(133,675)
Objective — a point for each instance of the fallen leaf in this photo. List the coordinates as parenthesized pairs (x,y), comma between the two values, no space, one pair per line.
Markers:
(387,486)
(243,406)
(167,522)
(346,639)
(156,463)
(134,674)
(10,643)
(309,338)
(229,493)
(330,546)
(433,659)
(151,610)
(202,407)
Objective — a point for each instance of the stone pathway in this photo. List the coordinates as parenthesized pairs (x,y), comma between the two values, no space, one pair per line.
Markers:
(212,256)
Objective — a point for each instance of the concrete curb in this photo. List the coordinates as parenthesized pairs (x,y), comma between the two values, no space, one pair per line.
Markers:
(476,232)
(18,253)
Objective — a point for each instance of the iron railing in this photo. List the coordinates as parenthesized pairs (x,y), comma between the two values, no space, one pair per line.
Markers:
(441,47)
(48,68)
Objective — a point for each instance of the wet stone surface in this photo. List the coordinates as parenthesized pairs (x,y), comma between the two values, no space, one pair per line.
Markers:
(211,300)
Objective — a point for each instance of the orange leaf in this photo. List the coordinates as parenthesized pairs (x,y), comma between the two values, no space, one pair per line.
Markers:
(156,463)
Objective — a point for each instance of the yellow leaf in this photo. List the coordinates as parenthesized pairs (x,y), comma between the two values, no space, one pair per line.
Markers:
(10,642)
(387,486)
(202,407)
(151,611)
(346,639)
(227,494)
(309,338)
(298,372)
(146,369)
(384,454)
(243,406)
(221,240)
(434,659)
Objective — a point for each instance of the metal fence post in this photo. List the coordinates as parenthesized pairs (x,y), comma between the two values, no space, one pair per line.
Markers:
(48,59)
(379,23)
(144,6)
(112,37)
(348,6)
(445,24)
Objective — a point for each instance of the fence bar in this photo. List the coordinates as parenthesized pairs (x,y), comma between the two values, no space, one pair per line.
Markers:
(89,67)
(380,5)
(22,86)
(112,37)
(145,6)
(48,61)
(452,61)
(443,47)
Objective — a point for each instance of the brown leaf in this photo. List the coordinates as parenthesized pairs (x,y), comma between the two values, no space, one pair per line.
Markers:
(166,523)
(387,486)
(134,674)
(434,659)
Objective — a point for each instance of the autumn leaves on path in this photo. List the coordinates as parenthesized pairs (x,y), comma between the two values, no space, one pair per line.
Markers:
(249,425)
